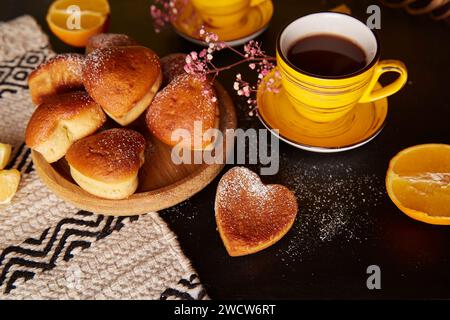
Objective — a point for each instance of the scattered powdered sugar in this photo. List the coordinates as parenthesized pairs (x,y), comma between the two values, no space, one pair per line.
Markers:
(115,149)
(72,64)
(96,63)
(123,143)
(186,211)
(64,57)
(334,203)
(120,62)
(105,40)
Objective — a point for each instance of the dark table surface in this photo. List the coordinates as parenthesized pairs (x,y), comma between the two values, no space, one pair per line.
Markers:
(346,221)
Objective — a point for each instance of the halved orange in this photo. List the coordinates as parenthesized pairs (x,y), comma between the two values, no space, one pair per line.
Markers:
(418,182)
(93,16)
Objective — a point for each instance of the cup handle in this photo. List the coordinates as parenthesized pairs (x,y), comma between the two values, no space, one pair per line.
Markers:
(383,67)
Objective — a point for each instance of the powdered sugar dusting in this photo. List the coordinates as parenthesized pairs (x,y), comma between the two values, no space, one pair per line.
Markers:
(63,68)
(334,202)
(248,180)
(106,40)
(123,143)
(120,146)
(108,60)
(75,61)
(95,64)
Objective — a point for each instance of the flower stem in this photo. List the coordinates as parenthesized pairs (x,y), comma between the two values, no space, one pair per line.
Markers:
(215,70)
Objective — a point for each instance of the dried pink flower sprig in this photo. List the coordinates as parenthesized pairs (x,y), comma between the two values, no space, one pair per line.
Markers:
(201,64)
(165,11)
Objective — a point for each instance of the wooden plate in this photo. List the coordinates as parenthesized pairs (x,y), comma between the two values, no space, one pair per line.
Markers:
(162,183)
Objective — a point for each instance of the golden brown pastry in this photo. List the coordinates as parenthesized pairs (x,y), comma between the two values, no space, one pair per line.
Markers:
(59,74)
(186,100)
(123,80)
(106,40)
(60,121)
(172,66)
(252,216)
(107,164)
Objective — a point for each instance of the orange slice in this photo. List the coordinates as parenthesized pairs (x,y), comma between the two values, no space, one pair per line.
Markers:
(73,26)
(9,182)
(343,8)
(418,182)
(5,154)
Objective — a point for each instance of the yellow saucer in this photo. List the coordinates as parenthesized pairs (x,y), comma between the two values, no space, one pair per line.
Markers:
(357,128)
(188,24)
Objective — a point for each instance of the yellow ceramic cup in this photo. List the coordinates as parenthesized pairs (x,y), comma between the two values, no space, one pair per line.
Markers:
(222,13)
(326,99)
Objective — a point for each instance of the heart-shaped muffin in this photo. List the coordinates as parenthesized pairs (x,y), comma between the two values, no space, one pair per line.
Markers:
(122,80)
(107,164)
(252,216)
(188,103)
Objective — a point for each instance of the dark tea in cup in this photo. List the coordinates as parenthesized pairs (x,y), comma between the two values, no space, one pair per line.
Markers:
(327,55)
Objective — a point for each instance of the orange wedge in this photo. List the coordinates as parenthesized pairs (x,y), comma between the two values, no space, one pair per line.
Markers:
(9,182)
(74,26)
(418,182)
(5,154)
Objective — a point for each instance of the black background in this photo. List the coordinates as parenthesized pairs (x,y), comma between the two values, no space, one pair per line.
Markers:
(343,193)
